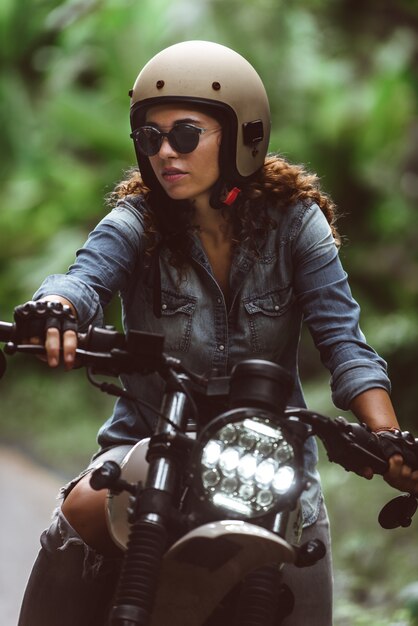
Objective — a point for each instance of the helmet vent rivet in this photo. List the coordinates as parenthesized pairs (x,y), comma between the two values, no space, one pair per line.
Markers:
(160,84)
(216,86)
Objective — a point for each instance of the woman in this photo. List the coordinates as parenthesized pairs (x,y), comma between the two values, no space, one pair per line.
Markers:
(224,251)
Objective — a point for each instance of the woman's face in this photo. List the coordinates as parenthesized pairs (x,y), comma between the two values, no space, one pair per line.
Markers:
(189,176)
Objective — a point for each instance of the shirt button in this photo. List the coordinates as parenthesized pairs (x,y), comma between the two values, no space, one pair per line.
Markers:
(164,306)
(219,300)
(221,348)
(276,308)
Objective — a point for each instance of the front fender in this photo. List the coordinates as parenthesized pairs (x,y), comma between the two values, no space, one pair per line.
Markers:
(204,565)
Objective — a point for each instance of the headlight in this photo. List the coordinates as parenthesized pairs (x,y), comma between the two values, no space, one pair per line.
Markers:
(248,467)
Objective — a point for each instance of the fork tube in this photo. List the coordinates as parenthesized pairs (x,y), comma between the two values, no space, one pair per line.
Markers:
(162,472)
(148,536)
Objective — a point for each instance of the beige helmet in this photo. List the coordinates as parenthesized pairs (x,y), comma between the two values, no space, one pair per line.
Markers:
(208,74)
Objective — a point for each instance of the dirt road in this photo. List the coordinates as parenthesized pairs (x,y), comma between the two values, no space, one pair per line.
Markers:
(27,497)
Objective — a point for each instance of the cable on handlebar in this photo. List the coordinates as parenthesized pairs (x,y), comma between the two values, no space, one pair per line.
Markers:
(120,392)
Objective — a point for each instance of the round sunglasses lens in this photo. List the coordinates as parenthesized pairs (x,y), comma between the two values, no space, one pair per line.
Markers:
(148,140)
(184,139)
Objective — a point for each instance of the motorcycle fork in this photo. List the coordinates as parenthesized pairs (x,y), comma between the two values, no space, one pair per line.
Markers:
(147,541)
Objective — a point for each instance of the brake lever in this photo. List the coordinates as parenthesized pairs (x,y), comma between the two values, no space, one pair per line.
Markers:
(100,362)
(11,348)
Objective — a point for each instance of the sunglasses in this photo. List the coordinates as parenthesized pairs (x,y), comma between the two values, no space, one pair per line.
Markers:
(183,138)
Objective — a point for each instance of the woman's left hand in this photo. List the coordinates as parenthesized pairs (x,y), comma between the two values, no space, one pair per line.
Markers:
(374,408)
(400,476)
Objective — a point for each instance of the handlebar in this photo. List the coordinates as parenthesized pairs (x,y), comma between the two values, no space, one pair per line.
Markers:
(109,352)
(106,351)
(100,339)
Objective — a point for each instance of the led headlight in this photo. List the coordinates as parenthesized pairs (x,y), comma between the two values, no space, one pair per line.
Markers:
(248,467)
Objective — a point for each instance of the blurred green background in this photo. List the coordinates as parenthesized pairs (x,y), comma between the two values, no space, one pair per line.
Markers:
(343,83)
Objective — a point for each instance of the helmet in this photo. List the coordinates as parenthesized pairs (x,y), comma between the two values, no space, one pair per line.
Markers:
(212,76)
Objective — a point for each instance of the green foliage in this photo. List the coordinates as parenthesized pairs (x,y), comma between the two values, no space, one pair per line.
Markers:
(367,559)
(52,415)
(65,140)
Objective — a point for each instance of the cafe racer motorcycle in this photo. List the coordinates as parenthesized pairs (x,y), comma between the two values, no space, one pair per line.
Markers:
(206,510)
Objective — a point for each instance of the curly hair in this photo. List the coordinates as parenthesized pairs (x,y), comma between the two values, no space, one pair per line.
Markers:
(277,186)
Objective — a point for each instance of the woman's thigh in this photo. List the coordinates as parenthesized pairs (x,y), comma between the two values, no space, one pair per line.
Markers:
(84,508)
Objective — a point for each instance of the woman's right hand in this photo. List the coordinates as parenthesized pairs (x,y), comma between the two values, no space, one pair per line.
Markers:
(54,337)
(59,332)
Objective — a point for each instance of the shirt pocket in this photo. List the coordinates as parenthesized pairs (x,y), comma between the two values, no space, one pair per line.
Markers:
(266,317)
(177,312)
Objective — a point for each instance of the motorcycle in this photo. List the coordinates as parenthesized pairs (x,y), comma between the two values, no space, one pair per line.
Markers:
(206,510)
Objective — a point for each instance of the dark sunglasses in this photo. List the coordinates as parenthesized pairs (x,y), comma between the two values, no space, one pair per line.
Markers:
(183,138)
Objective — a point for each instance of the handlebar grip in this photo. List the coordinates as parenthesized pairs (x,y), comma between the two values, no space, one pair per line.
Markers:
(353,446)
(98,339)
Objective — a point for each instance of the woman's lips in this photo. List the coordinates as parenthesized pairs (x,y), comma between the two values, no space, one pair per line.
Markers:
(172,174)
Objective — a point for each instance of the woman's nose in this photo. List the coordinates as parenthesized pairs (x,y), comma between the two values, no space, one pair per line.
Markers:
(166,150)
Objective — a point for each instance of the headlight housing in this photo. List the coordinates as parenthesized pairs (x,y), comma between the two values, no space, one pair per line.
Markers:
(247,465)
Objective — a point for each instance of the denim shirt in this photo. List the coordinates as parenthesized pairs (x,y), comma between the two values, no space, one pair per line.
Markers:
(296,276)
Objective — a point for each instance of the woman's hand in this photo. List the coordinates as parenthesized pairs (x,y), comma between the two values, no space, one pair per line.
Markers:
(53,343)
(400,476)
(374,408)
(59,329)
(55,339)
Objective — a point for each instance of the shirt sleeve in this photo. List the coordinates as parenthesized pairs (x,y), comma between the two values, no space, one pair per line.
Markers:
(103,266)
(331,312)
